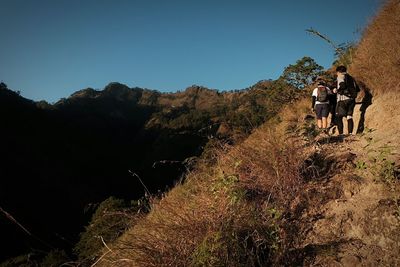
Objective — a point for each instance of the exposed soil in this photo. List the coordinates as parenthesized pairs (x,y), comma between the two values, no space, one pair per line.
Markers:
(348,215)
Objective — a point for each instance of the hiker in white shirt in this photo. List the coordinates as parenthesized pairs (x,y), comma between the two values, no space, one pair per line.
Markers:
(320,104)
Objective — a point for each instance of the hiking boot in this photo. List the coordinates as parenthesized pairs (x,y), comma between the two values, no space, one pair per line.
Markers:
(332,130)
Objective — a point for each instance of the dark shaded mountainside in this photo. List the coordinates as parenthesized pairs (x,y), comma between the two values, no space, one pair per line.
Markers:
(60,160)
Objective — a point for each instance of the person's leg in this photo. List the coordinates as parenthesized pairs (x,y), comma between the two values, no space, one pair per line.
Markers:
(318,113)
(325,113)
(350,110)
(333,120)
(333,112)
(324,122)
(319,123)
(340,113)
(350,124)
(339,123)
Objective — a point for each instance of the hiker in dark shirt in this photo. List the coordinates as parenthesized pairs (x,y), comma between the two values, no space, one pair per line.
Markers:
(346,90)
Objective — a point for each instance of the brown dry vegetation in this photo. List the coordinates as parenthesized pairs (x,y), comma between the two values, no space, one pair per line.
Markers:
(377,59)
(376,66)
(226,213)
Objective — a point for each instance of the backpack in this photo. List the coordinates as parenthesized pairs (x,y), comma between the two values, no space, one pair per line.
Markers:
(352,88)
(322,94)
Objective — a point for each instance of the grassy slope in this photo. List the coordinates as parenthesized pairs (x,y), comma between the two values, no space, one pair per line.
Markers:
(284,197)
(377,65)
(376,61)
(227,213)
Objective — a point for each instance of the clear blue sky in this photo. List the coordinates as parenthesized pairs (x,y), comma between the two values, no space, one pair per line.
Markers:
(51,48)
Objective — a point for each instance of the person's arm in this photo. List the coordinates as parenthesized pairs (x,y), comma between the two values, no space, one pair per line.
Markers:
(314,98)
(342,88)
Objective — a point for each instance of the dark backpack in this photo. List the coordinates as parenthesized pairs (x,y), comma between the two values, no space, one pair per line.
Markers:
(322,94)
(352,88)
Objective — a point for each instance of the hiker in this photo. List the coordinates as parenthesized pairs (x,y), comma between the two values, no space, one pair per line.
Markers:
(347,90)
(320,104)
(332,107)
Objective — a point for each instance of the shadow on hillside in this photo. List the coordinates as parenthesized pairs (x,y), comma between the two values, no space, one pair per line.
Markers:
(306,255)
(365,103)
(335,139)
(332,139)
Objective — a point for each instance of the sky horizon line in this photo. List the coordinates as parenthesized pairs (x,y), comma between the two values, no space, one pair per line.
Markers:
(50,49)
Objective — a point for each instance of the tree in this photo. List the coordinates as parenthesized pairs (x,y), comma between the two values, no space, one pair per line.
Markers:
(302,73)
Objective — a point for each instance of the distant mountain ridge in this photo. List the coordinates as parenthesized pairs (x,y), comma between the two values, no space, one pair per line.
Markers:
(63,157)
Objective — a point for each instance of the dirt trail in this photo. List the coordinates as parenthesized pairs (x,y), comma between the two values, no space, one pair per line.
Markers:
(350,216)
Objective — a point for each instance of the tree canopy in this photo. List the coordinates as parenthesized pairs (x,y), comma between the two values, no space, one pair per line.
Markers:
(302,73)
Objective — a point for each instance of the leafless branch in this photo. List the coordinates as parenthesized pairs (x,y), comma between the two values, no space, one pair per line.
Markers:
(324,37)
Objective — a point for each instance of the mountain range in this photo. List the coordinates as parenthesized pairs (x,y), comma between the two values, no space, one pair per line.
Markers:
(60,160)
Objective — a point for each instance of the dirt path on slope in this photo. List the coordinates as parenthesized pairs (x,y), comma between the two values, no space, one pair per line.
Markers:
(349,215)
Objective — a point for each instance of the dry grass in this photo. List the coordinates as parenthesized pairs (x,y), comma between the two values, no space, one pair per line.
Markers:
(377,65)
(377,58)
(292,116)
(227,213)
(268,165)
(194,224)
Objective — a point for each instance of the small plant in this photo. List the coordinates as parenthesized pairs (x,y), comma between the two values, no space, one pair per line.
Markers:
(367,137)
(206,253)
(361,165)
(310,131)
(383,167)
(227,184)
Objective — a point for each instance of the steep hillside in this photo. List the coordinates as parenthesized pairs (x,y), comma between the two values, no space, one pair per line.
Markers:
(58,162)
(288,196)
(376,65)
(376,60)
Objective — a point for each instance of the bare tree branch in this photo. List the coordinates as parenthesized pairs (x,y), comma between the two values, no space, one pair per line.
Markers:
(324,37)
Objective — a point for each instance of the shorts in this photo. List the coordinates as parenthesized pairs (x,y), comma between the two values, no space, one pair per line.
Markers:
(345,107)
(321,110)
